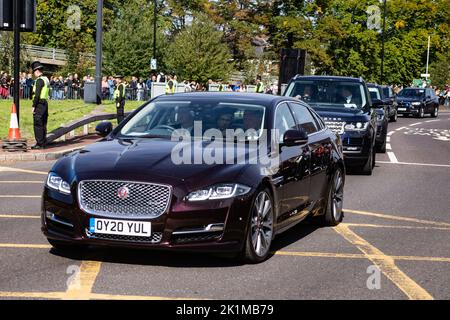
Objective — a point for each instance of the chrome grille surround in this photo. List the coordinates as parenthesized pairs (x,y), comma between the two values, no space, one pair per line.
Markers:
(145,200)
(336,126)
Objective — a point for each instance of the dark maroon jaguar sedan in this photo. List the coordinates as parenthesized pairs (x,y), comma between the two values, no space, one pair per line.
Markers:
(218,172)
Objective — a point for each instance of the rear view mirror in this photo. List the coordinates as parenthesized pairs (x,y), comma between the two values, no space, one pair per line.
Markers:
(104,128)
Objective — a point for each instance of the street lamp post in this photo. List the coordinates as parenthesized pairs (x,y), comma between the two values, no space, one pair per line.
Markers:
(382,45)
(98,63)
(17,15)
(154,28)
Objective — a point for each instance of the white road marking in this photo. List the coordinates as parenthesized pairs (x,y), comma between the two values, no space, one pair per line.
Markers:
(390,133)
(392,157)
(415,164)
(402,128)
(432,121)
(388,139)
(388,146)
(415,124)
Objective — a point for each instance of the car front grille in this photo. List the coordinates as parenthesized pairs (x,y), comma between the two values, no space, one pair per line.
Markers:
(154,239)
(139,200)
(336,126)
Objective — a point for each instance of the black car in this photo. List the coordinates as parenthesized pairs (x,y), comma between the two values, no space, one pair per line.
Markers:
(218,172)
(389,99)
(346,107)
(418,102)
(376,93)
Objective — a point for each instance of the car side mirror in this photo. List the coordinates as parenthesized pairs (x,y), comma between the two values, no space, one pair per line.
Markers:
(376,103)
(104,128)
(295,138)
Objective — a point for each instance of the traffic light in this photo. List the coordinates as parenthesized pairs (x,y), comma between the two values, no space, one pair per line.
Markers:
(27,9)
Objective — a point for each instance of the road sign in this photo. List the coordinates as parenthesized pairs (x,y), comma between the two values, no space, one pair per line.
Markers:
(153,64)
(425,75)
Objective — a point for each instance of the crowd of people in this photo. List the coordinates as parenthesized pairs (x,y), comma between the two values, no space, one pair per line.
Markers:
(139,89)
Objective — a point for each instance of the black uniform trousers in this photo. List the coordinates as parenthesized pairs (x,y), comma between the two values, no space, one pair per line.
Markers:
(120,106)
(40,118)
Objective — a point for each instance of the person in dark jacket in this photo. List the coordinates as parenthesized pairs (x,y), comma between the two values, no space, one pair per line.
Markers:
(40,95)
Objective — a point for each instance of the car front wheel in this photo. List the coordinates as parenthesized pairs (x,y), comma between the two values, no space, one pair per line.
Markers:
(435,112)
(333,211)
(260,230)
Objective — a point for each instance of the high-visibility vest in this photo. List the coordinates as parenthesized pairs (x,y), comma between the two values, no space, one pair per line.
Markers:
(45,90)
(221,87)
(170,90)
(117,91)
(260,88)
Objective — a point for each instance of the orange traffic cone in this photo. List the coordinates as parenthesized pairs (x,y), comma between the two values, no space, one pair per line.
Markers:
(14,141)
(14,131)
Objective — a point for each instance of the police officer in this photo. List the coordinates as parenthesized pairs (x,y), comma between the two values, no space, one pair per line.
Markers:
(171,86)
(119,96)
(39,96)
(259,85)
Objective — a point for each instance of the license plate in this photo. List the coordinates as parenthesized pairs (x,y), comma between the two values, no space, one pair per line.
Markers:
(120,227)
(401,109)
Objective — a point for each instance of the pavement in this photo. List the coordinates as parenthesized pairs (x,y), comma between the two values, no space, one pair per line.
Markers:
(53,151)
(394,242)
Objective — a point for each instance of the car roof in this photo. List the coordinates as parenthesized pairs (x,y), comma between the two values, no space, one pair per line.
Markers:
(328,78)
(236,97)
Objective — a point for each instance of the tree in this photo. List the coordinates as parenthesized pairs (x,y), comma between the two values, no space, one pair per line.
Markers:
(128,45)
(198,53)
(440,71)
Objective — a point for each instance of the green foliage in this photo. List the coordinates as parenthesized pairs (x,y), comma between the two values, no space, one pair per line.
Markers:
(199,53)
(334,32)
(128,45)
(440,71)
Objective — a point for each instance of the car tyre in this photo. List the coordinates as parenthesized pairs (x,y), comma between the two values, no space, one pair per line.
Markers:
(394,118)
(435,112)
(260,228)
(382,148)
(370,164)
(421,113)
(334,207)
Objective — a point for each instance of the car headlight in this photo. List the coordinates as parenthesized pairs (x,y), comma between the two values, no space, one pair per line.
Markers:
(219,191)
(416,104)
(55,182)
(357,126)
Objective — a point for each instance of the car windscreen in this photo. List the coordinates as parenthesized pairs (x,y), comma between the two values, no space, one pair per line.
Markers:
(374,93)
(195,117)
(412,93)
(337,94)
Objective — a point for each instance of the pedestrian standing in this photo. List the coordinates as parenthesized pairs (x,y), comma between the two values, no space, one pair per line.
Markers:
(119,96)
(40,94)
(259,85)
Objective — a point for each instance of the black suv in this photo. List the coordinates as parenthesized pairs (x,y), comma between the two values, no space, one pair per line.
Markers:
(418,102)
(382,110)
(389,99)
(346,107)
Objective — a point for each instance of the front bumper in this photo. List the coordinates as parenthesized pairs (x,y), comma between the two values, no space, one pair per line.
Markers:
(357,147)
(408,110)
(183,227)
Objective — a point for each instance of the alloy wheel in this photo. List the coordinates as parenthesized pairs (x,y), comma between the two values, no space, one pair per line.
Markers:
(262,224)
(338,196)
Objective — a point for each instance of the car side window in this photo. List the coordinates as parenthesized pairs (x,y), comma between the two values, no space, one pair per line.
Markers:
(320,124)
(304,118)
(284,120)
